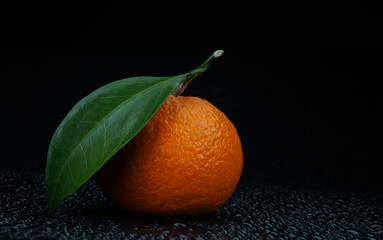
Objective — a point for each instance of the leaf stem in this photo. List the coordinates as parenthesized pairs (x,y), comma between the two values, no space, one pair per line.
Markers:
(196,72)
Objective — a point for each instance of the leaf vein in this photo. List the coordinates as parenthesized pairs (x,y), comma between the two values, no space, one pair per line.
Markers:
(102,120)
(86,158)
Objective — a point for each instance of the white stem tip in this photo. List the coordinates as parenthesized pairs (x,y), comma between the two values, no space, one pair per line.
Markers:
(218,53)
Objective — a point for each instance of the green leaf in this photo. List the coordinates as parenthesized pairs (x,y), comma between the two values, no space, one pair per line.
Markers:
(102,123)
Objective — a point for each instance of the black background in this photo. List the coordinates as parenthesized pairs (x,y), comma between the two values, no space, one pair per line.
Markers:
(300,82)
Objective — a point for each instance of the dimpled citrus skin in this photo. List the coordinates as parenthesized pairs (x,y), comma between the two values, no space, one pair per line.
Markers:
(186,161)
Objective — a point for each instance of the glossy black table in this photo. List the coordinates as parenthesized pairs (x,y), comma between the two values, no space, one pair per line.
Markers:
(259,209)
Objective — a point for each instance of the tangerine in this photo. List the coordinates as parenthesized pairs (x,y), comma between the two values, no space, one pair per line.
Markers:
(186,161)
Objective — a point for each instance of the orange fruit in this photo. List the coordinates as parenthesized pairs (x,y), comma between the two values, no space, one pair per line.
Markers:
(186,161)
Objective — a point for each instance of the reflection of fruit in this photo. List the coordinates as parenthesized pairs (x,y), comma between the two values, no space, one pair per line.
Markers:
(186,161)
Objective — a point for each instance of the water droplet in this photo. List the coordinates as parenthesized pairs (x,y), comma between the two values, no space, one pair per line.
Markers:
(165,232)
(179,225)
(247,224)
(354,232)
(294,229)
(376,226)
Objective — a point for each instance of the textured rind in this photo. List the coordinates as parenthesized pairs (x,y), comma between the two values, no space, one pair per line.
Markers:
(186,161)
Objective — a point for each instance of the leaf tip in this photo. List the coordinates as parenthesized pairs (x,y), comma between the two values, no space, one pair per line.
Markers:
(49,197)
(51,205)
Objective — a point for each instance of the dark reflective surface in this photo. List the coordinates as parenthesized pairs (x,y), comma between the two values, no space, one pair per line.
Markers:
(308,207)
(135,224)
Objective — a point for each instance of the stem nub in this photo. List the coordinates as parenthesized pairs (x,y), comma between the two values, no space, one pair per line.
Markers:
(196,72)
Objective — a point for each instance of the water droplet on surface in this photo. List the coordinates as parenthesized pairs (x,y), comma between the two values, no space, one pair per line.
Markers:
(354,232)
(179,225)
(376,226)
